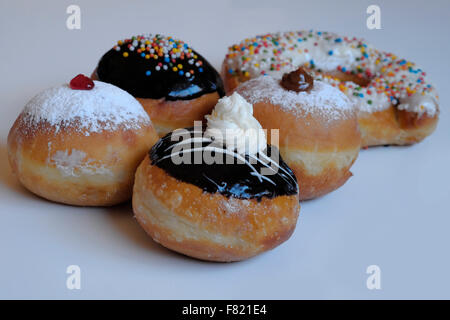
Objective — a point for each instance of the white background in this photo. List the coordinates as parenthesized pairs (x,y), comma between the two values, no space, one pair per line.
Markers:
(393,213)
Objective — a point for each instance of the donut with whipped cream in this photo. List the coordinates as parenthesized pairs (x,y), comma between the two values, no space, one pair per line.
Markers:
(220,192)
(318,127)
(173,82)
(396,102)
(80,143)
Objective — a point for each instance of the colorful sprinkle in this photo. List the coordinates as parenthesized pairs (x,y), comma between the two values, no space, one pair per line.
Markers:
(167,52)
(390,79)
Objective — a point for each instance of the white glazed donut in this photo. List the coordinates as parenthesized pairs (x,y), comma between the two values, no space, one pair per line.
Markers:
(397,104)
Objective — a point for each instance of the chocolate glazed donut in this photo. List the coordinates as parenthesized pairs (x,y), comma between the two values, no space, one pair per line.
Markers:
(217,212)
(174,83)
(235,180)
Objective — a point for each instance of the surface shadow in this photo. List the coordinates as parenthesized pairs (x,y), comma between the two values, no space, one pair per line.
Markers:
(121,218)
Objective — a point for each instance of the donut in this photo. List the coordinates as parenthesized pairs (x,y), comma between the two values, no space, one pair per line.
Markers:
(80,143)
(243,203)
(397,104)
(318,127)
(174,84)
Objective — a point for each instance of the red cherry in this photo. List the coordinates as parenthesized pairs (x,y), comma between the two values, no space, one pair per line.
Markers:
(81,82)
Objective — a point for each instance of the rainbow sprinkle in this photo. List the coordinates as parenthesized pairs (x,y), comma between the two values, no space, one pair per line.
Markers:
(391,80)
(171,54)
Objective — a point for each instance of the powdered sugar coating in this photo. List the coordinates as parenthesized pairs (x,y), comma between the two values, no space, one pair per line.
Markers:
(105,107)
(323,100)
(74,163)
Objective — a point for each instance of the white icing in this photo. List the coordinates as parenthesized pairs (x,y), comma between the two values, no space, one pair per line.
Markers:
(295,50)
(105,107)
(323,99)
(418,103)
(277,53)
(232,123)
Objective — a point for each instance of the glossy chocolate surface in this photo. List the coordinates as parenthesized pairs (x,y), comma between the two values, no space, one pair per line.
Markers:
(158,67)
(240,179)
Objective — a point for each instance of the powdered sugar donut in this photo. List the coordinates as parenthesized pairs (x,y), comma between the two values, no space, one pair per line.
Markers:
(80,146)
(318,128)
(397,104)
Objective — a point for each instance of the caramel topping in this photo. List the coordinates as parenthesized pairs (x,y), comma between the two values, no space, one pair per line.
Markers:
(298,80)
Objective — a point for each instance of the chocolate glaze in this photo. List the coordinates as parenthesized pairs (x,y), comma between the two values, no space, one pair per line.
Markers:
(298,80)
(131,74)
(231,180)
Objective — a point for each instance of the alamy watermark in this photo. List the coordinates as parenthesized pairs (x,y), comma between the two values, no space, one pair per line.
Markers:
(373,281)
(227,146)
(374,19)
(73,21)
(73,281)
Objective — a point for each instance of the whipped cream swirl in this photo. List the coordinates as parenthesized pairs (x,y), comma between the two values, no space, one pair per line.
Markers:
(232,123)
